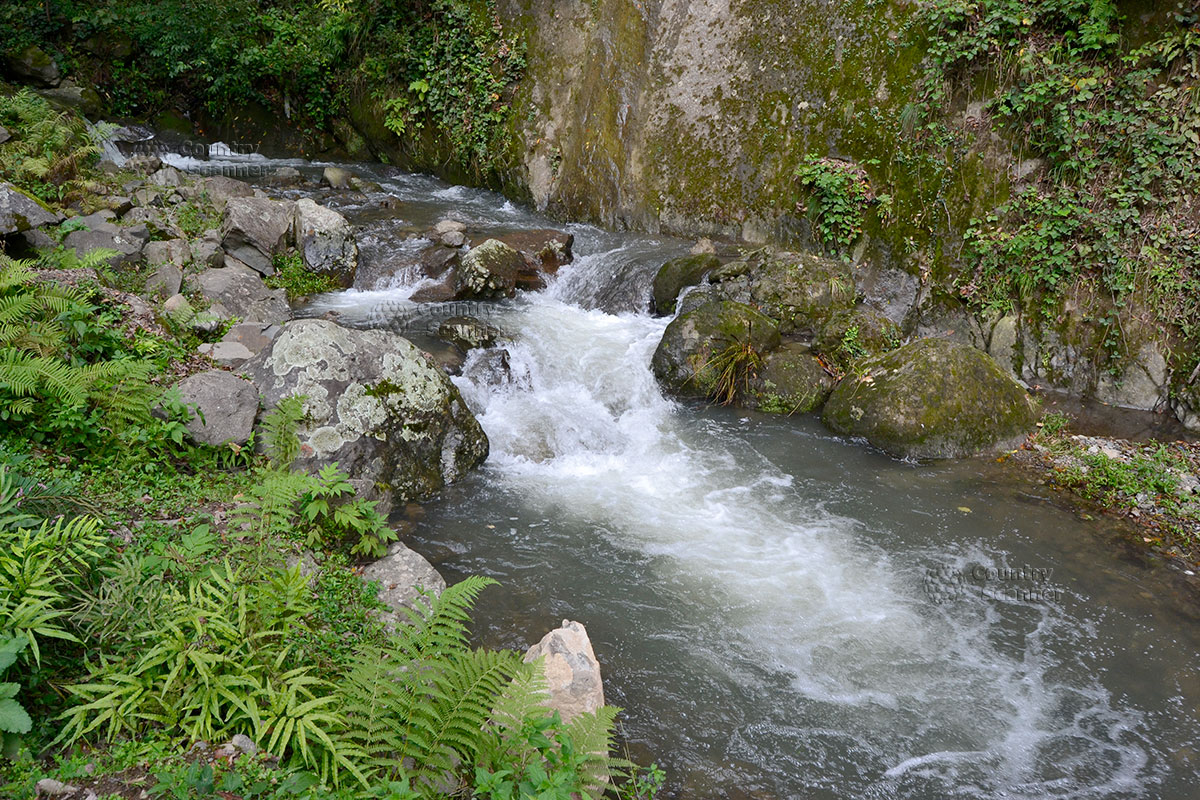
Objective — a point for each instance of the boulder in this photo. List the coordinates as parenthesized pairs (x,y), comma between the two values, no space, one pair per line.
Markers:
(488,271)
(254,336)
(207,251)
(436,260)
(791,381)
(932,398)
(285,176)
(4,134)
(544,252)
(439,292)
(801,290)
(71,96)
(374,403)
(849,335)
(167,176)
(127,240)
(336,177)
(467,333)
(571,669)
(1143,383)
(165,281)
(20,212)
(326,241)
(449,226)
(35,65)
(254,229)
(454,239)
(173,251)
(677,273)
(241,293)
(220,189)
(401,574)
(226,406)
(685,361)
(226,354)
(178,309)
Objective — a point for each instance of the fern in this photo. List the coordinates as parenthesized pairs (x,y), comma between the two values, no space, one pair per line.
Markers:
(278,430)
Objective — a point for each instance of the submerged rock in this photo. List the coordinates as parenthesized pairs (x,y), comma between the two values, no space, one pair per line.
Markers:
(374,403)
(678,273)
(932,399)
(690,357)
(571,669)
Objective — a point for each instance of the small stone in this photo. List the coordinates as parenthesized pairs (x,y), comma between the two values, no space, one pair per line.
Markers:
(4,134)
(245,744)
(165,282)
(337,178)
(178,309)
(454,238)
(571,669)
(48,787)
(449,225)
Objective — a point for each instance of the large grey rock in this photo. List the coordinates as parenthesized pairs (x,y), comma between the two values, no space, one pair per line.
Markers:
(544,252)
(71,96)
(20,212)
(932,399)
(686,358)
(173,251)
(375,404)
(127,240)
(801,290)
(226,406)
(326,241)
(676,274)
(571,669)
(254,229)
(166,176)
(489,270)
(220,189)
(254,336)
(35,65)
(1142,385)
(226,354)
(243,294)
(401,574)
(207,252)
(165,281)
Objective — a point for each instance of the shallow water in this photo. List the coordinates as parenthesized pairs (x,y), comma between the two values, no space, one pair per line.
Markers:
(782,612)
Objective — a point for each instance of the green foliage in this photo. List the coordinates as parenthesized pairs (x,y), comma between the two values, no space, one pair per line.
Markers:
(62,370)
(297,279)
(729,371)
(14,719)
(278,429)
(839,196)
(336,517)
(1118,130)
(456,66)
(48,149)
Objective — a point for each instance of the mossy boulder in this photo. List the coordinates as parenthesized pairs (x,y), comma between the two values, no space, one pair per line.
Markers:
(801,290)
(848,336)
(374,403)
(695,345)
(791,381)
(677,274)
(932,399)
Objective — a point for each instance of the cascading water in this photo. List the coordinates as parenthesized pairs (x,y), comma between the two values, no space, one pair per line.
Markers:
(783,613)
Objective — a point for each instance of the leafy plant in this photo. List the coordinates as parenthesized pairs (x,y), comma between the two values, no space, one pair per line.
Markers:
(839,195)
(14,719)
(299,281)
(48,149)
(278,429)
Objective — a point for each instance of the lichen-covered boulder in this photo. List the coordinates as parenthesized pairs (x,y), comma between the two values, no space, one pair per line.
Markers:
(488,271)
(374,403)
(35,65)
(932,399)
(254,229)
(801,290)
(572,672)
(326,241)
(691,356)
(791,381)
(678,273)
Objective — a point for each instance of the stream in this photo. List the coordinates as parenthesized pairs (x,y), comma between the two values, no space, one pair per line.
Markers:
(781,612)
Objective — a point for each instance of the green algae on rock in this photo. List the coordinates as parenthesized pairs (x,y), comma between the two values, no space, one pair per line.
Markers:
(678,273)
(932,398)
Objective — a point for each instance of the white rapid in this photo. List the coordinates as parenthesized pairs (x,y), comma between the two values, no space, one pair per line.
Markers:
(761,593)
